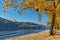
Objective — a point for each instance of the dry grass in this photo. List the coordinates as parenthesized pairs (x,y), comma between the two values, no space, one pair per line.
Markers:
(37,36)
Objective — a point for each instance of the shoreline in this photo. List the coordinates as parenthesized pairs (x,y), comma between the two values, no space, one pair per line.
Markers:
(31,36)
(37,36)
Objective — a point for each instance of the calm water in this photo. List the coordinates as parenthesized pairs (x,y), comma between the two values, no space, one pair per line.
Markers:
(7,34)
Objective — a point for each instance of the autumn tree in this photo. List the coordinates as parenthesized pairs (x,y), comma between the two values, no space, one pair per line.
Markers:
(51,8)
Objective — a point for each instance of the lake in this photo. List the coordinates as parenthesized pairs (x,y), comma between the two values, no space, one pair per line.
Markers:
(7,34)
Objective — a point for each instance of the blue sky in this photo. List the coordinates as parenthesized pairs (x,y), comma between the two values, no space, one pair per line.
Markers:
(26,16)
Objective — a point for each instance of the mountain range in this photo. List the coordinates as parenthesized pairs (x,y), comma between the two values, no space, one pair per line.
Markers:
(8,25)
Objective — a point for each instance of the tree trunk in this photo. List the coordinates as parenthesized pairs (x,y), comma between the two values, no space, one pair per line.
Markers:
(52,24)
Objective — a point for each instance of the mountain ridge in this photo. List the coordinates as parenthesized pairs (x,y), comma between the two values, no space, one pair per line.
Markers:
(7,25)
